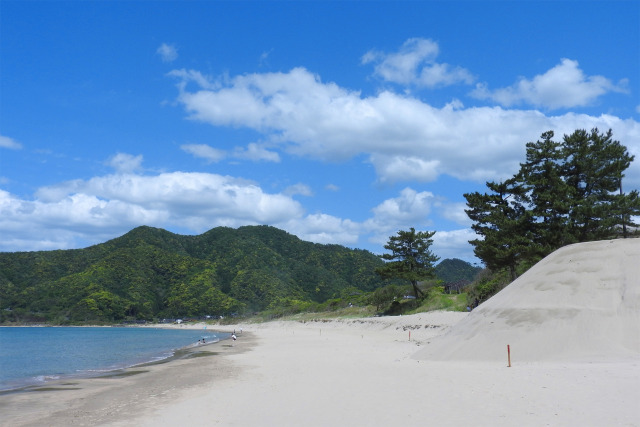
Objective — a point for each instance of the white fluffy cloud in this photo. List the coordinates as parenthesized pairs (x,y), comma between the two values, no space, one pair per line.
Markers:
(324,228)
(455,212)
(410,209)
(85,210)
(454,244)
(191,197)
(405,168)
(414,65)
(563,86)
(404,138)
(409,206)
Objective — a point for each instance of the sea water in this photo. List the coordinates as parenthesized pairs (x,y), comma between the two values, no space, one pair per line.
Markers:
(35,355)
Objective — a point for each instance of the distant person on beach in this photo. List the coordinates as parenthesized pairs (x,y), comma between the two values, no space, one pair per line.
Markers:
(233,336)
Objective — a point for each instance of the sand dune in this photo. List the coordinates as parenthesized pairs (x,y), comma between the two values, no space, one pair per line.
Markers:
(580,303)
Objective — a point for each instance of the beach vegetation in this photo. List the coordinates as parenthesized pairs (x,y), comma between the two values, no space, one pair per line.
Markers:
(441,300)
(486,285)
(384,296)
(436,298)
(395,300)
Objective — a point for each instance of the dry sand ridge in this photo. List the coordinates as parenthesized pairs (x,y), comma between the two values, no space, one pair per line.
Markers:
(580,303)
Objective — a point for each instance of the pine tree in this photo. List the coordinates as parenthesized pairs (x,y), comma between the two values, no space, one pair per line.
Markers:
(547,193)
(504,224)
(593,169)
(410,258)
(564,192)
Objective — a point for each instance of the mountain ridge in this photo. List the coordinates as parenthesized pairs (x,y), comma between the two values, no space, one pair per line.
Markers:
(152,273)
(149,272)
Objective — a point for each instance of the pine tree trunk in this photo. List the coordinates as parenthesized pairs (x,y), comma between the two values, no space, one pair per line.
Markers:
(416,290)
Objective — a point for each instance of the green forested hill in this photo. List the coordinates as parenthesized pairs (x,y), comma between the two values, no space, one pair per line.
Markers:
(150,273)
(456,271)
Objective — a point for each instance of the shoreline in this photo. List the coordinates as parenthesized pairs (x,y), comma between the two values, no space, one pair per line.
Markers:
(118,368)
(95,400)
(51,383)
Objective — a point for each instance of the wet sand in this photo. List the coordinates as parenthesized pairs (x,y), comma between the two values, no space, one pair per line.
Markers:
(121,394)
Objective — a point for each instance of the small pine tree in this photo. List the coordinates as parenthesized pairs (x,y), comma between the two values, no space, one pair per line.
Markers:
(410,258)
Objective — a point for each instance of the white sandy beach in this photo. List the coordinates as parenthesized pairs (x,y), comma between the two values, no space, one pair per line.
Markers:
(572,322)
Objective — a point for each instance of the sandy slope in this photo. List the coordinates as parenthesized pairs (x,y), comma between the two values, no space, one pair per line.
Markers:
(581,303)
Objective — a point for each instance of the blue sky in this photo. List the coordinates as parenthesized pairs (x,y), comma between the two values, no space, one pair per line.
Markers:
(339,122)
